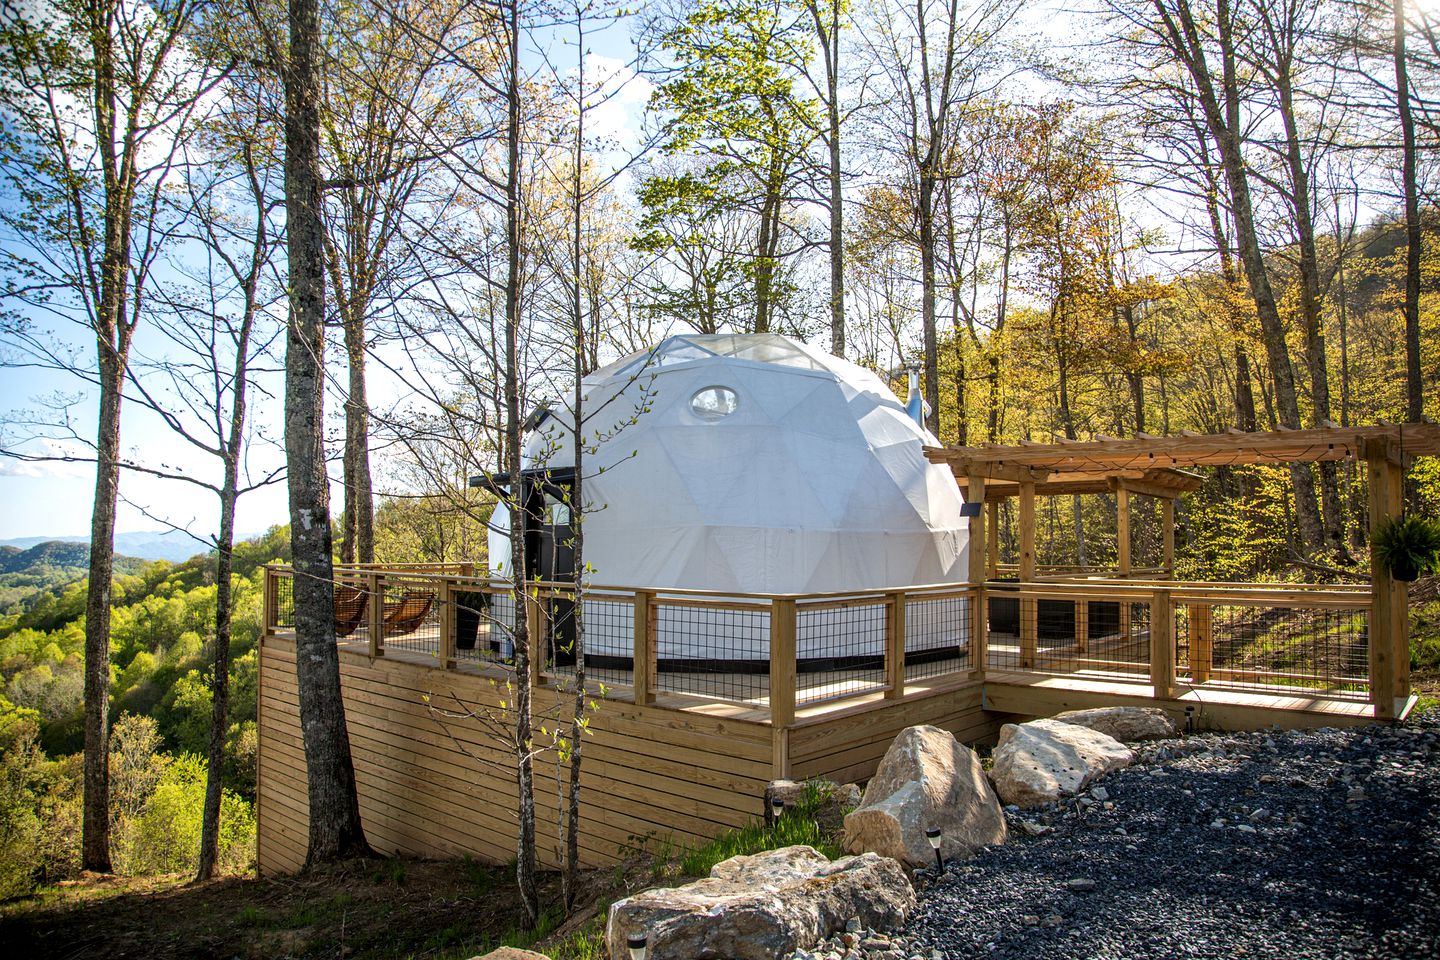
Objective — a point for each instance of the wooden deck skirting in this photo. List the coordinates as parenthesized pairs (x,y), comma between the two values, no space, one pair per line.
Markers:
(679,765)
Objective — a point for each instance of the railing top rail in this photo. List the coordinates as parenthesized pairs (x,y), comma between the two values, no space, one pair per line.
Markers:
(1094,587)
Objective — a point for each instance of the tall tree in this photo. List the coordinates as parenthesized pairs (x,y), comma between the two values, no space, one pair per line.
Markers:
(335,828)
(935,55)
(97,94)
(1283,43)
(731,99)
(1414,395)
(1194,42)
(827,20)
(389,107)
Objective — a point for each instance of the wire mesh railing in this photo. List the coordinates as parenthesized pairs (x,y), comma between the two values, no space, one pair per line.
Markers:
(1105,633)
(938,634)
(840,647)
(1314,646)
(823,648)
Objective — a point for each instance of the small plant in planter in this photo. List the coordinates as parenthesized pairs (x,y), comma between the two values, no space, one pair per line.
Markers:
(1408,546)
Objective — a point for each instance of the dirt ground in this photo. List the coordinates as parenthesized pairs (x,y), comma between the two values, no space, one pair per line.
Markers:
(387,908)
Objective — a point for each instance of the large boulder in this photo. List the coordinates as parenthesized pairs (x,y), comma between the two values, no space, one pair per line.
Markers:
(1041,761)
(1126,724)
(762,906)
(927,779)
(512,953)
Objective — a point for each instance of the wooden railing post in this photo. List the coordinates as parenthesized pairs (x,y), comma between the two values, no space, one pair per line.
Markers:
(895,645)
(536,634)
(375,613)
(643,659)
(979,631)
(446,599)
(980,532)
(782,663)
(1162,644)
(1202,641)
(1082,626)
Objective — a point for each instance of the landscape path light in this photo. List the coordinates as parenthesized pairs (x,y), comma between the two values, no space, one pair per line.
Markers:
(777,807)
(933,835)
(638,944)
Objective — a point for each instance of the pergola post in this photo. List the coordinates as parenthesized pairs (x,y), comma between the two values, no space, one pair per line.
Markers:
(1167,524)
(1389,623)
(980,533)
(1029,612)
(1122,550)
(1122,531)
(992,540)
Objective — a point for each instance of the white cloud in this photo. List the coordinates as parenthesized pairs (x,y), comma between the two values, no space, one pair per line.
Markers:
(618,100)
(57,468)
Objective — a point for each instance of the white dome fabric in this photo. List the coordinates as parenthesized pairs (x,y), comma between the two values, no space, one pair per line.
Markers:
(815,483)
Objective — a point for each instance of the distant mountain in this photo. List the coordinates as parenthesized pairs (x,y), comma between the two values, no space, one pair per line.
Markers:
(52,553)
(169,545)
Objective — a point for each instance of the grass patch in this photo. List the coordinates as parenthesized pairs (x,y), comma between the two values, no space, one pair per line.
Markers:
(587,943)
(388,870)
(1425,637)
(800,824)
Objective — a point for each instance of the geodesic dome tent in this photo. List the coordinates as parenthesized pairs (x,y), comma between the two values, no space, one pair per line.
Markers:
(751,463)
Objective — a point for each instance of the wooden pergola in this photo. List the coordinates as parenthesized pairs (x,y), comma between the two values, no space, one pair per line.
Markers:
(1154,466)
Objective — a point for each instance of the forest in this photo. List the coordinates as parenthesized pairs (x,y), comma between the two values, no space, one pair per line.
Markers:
(354,245)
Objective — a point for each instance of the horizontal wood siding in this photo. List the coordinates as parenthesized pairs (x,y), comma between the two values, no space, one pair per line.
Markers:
(848,748)
(437,786)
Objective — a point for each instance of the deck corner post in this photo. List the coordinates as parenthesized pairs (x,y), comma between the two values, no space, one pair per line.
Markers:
(782,662)
(1387,598)
(1162,644)
(643,657)
(375,614)
(979,630)
(270,603)
(895,645)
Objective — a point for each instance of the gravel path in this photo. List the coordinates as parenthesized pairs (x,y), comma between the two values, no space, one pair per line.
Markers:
(1301,844)
(1286,845)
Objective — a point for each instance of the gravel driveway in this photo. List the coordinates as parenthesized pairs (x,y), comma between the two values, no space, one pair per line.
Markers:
(1311,844)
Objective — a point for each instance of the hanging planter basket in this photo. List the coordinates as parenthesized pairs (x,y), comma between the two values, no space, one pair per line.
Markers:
(1408,546)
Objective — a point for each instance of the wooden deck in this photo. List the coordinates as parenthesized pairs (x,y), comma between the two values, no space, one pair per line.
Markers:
(682,757)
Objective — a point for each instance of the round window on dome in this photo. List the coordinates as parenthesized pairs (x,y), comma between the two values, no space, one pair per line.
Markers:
(714,403)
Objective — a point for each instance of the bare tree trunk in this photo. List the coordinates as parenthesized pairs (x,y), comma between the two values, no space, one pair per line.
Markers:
(1414,397)
(1283,27)
(525,860)
(1223,117)
(931,388)
(225,544)
(358,545)
(828,35)
(335,828)
(95,842)
(220,678)
(577,494)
